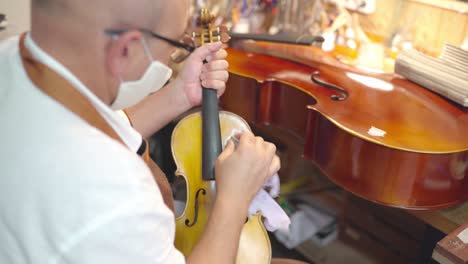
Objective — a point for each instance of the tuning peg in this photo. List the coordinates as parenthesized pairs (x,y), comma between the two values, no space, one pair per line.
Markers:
(223,34)
(206,18)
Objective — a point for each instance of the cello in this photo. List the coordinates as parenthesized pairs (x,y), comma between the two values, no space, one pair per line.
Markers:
(378,136)
(202,133)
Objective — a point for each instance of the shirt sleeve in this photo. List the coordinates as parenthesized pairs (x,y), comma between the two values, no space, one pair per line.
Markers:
(124,116)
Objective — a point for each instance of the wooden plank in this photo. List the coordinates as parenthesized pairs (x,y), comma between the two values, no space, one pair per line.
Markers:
(380,23)
(423,23)
(444,4)
(466,30)
(446,220)
(365,243)
(395,218)
(451,29)
(366,218)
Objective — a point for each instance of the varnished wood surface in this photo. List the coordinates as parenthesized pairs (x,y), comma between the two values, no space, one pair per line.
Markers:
(391,141)
(413,118)
(186,145)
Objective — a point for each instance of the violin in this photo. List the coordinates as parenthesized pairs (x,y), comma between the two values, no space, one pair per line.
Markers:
(379,136)
(196,143)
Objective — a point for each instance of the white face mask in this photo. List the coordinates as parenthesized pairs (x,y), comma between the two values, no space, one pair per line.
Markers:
(132,92)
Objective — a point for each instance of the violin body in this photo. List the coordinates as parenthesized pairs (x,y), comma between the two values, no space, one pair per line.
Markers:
(380,137)
(196,143)
(254,245)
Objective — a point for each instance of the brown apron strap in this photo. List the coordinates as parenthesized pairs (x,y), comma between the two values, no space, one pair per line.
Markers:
(55,86)
(160,178)
(59,89)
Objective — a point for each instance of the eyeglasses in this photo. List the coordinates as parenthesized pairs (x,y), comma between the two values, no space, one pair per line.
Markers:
(183,47)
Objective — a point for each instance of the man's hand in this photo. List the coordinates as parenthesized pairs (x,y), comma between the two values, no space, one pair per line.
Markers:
(184,92)
(212,74)
(241,172)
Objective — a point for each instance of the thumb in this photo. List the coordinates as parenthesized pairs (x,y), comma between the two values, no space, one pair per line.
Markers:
(202,52)
(228,150)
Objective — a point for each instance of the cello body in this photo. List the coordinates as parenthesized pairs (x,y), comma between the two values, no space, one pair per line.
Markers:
(380,137)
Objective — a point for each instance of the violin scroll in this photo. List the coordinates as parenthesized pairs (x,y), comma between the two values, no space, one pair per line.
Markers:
(208,33)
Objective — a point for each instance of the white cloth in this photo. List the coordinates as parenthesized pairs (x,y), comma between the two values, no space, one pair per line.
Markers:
(275,218)
(306,222)
(68,192)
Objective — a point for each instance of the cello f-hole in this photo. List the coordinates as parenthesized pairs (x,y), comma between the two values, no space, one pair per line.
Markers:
(195,218)
(344,94)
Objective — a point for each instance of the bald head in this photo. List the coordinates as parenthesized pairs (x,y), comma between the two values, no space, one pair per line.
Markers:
(41,3)
(122,13)
(44,3)
(49,6)
(73,32)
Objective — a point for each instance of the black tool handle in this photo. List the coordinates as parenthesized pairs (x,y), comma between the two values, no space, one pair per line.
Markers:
(280,38)
(211,133)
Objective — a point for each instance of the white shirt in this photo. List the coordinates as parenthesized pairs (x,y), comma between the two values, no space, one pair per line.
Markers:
(121,125)
(68,192)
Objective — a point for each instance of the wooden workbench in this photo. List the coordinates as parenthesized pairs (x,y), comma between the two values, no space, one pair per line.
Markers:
(446,220)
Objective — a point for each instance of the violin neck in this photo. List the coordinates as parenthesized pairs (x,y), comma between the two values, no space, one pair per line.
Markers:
(211,133)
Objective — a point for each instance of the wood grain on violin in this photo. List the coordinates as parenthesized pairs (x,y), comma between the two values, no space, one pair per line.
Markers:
(186,149)
(196,143)
(380,137)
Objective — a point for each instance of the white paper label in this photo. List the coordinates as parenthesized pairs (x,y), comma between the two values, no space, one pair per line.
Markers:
(463,236)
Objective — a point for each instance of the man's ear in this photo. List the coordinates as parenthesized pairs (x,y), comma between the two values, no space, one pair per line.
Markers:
(117,57)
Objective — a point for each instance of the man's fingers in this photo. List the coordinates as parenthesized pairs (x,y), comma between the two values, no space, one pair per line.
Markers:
(220,54)
(220,91)
(214,84)
(202,52)
(270,148)
(217,65)
(215,75)
(246,137)
(259,142)
(274,166)
(228,150)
